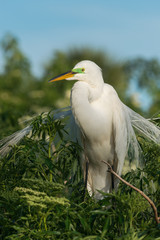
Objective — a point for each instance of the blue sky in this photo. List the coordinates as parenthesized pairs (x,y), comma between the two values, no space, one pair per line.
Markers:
(123,28)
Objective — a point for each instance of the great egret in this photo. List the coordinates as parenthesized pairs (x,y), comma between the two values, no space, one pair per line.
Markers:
(100,116)
(105,125)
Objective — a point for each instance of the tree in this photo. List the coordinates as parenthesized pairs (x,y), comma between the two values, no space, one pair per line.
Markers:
(15,81)
(17,70)
(146,74)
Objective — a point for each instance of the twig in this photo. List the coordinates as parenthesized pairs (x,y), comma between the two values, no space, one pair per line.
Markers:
(138,190)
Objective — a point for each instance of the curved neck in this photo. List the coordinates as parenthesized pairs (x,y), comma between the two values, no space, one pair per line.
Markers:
(94,93)
(82,91)
(82,96)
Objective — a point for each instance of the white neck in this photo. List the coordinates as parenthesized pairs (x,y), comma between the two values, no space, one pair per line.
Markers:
(82,96)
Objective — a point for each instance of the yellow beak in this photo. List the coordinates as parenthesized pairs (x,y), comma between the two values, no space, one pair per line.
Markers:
(63,76)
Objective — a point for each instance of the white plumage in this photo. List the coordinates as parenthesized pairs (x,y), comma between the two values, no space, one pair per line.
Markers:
(101,123)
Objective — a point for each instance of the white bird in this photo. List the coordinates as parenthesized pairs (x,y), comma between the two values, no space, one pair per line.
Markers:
(106,130)
(105,125)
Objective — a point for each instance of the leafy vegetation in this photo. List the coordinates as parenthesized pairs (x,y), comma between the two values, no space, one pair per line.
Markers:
(41,184)
(42,193)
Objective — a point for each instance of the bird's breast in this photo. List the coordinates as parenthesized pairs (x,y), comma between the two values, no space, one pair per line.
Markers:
(93,117)
(95,120)
(98,127)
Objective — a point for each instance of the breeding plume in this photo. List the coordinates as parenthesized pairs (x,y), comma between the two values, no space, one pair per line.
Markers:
(101,123)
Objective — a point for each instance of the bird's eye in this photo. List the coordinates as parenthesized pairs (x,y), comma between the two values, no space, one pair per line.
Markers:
(83,69)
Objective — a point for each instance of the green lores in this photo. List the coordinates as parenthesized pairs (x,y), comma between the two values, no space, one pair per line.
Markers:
(78,70)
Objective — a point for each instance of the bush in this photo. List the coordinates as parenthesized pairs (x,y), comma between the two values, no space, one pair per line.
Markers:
(42,193)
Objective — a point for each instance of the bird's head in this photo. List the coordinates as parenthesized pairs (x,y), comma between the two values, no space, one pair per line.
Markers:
(86,71)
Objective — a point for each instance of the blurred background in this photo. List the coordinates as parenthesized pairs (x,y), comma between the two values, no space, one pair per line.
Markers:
(41,39)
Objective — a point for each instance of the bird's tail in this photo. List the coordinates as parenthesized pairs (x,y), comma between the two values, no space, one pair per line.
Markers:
(15,138)
(144,126)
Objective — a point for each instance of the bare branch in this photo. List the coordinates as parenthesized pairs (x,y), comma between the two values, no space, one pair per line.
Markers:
(138,190)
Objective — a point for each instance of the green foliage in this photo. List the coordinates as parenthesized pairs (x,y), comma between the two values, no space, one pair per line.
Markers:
(42,193)
(17,67)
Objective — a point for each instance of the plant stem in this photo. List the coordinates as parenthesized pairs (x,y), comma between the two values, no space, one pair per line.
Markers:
(49,155)
(138,190)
